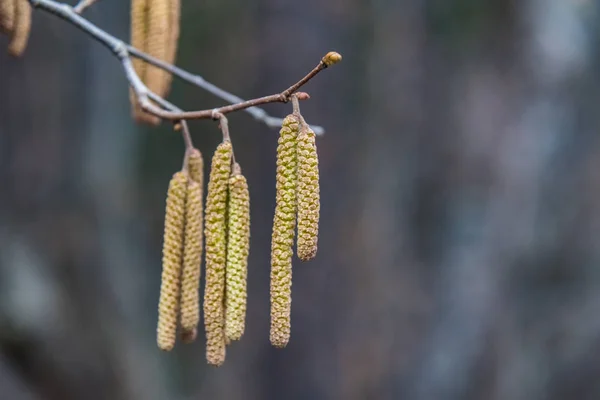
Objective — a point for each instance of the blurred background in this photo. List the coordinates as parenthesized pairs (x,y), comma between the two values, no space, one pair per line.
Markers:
(459,249)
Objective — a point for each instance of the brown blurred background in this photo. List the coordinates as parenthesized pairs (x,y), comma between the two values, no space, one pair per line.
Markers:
(459,251)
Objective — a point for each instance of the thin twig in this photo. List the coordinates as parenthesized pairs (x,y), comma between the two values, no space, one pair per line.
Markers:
(82,5)
(258,113)
(122,51)
(187,138)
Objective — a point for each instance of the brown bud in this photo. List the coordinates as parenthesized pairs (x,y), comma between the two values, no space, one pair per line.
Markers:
(172,259)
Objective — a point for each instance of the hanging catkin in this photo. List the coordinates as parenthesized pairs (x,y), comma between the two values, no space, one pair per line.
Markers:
(215,236)
(158,42)
(174,28)
(308,194)
(238,245)
(284,224)
(7,15)
(192,251)
(172,259)
(139,40)
(21,28)
(154,30)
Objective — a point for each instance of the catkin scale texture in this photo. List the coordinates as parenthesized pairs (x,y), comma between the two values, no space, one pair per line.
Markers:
(21,28)
(192,254)
(308,195)
(284,224)
(238,245)
(215,237)
(192,251)
(195,165)
(172,259)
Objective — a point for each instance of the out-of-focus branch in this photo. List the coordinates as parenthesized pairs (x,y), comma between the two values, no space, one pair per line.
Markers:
(123,51)
(82,5)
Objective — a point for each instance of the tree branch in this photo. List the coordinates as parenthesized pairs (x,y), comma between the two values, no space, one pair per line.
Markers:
(82,5)
(170,112)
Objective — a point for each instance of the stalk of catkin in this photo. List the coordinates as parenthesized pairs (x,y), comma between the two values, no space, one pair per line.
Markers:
(215,236)
(308,194)
(192,251)
(284,224)
(21,28)
(7,15)
(238,246)
(139,40)
(172,259)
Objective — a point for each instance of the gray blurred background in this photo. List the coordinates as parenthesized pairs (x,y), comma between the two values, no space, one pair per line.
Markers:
(459,251)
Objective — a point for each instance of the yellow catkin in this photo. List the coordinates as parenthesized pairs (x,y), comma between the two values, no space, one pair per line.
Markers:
(172,260)
(238,246)
(192,253)
(195,165)
(7,15)
(308,195)
(284,224)
(215,236)
(158,40)
(21,28)
(139,40)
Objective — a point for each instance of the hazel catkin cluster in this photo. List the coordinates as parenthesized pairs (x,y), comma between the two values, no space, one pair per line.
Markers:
(297,204)
(15,21)
(182,252)
(155,31)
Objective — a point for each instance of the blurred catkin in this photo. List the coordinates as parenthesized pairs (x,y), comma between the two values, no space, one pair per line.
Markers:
(192,254)
(154,30)
(172,259)
(158,42)
(215,236)
(139,40)
(21,28)
(284,224)
(7,15)
(238,246)
(308,194)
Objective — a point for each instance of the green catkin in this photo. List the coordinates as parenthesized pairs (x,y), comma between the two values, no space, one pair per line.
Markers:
(308,195)
(238,244)
(215,236)
(284,224)
(192,252)
(172,259)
